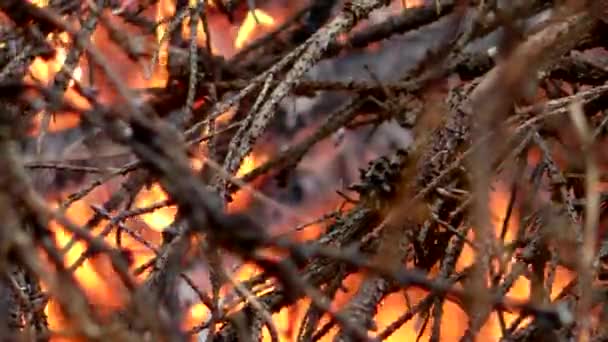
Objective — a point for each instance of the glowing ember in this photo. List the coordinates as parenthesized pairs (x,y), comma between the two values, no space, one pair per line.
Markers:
(395,304)
(198,313)
(201,37)
(253,20)
(55,319)
(40,3)
(243,198)
(44,72)
(160,218)
(164,11)
(94,275)
(249,163)
(94,284)
(88,277)
(412,3)
(196,164)
(499,200)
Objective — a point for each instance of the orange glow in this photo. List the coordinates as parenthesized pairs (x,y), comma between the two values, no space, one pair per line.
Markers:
(201,38)
(44,71)
(287,320)
(249,163)
(56,321)
(250,24)
(196,164)
(197,314)
(94,285)
(242,198)
(395,305)
(246,271)
(40,3)
(160,218)
(101,290)
(164,11)
(86,274)
(412,3)
(94,275)
(499,200)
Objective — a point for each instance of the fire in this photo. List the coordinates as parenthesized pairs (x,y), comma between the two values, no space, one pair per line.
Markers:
(499,200)
(197,314)
(412,3)
(390,309)
(254,19)
(101,289)
(164,11)
(243,197)
(94,284)
(249,163)
(55,319)
(40,3)
(44,72)
(94,274)
(158,219)
(393,306)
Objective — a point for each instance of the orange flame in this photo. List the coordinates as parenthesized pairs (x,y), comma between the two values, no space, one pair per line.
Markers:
(88,276)
(499,200)
(253,20)
(164,11)
(44,71)
(196,314)
(160,218)
(242,198)
(40,3)
(412,3)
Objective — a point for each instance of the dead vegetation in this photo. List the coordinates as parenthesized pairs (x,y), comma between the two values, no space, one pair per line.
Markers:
(489,225)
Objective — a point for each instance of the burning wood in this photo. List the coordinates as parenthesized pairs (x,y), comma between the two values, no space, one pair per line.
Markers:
(326,170)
